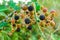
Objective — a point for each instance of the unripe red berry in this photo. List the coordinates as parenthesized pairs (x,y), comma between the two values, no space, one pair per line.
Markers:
(45,10)
(12,21)
(53,11)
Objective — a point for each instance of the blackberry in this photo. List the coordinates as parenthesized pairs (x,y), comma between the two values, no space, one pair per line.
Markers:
(29,27)
(16,17)
(42,17)
(27,21)
(30,8)
(18,30)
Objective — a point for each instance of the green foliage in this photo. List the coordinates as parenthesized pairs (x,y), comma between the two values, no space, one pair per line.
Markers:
(3,24)
(3,14)
(38,7)
(3,8)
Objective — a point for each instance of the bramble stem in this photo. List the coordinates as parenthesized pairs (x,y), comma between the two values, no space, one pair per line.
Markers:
(41,33)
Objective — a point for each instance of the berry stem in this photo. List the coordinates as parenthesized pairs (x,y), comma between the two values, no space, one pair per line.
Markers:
(41,33)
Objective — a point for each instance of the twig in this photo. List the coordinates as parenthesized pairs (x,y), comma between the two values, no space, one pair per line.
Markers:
(41,33)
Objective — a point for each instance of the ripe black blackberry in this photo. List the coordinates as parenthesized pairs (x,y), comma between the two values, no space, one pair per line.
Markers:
(27,20)
(18,30)
(16,17)
(29,27)
(42,17)
(30,8)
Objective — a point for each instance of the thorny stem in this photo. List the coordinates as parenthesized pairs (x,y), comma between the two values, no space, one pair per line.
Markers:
(41,33)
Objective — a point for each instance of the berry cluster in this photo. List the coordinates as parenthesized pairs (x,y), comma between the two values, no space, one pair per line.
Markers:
(30,18)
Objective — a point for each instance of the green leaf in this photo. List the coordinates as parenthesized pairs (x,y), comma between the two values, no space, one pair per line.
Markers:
(33,0)
(11,4)
(15,36)
(33,38)
(3,8)
(5,36)
(3,24)
(17,8)
(37,6)
(3,14)
(55,37)
(1,36)
(14,6)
